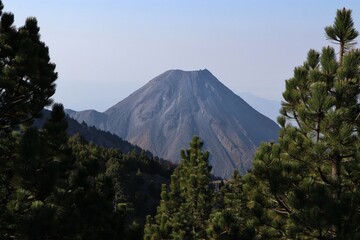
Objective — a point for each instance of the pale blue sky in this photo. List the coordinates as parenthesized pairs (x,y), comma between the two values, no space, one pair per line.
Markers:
(105,50)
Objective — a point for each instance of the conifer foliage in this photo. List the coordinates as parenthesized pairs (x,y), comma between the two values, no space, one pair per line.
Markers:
(51,190)
(308,182)
(185,209)
(231,216)
(26,74)
(53,186)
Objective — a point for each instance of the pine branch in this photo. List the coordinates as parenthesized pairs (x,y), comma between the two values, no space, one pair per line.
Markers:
(323,177)
(283,204)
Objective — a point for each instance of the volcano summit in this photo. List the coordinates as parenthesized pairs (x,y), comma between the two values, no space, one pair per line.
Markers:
(164,115)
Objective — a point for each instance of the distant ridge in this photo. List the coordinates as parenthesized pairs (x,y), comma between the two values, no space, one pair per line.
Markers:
(93,135)
(164,114)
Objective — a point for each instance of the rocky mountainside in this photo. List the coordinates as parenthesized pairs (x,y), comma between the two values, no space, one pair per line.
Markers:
(164,114)
(269,108)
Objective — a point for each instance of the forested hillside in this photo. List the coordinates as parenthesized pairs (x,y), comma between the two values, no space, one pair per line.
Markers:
(98,137)
(61,186)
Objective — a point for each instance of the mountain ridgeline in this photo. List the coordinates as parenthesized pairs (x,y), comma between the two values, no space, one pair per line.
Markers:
(95,136)
(168,111)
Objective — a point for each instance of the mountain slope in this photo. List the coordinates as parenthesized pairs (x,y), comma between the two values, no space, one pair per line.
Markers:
(269,108)
(95,136)
(164,114)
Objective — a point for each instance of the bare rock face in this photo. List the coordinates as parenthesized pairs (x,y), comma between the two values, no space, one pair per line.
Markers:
(168,111)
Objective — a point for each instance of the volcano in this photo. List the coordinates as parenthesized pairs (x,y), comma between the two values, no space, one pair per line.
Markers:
(164,115)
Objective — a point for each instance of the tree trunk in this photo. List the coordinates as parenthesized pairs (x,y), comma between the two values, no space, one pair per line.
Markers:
(341,53)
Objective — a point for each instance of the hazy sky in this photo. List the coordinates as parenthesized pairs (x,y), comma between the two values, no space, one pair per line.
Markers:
(105,50)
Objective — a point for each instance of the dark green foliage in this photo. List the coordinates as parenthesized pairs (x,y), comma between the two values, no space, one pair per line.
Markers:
(52,192)
(60,188)
(185,209)
(232,219)
(88,194)
(342,31)
(102,138)
(26,75)
(28,171)
(192,209)
(53,187)
(307,184)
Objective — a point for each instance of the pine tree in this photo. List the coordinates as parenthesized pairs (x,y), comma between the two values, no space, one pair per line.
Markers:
(88,197)
(26,86)
(342,32)
(26,74)
(232,219)
(58,187)
(31,211)
(184,210)
(307,183)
